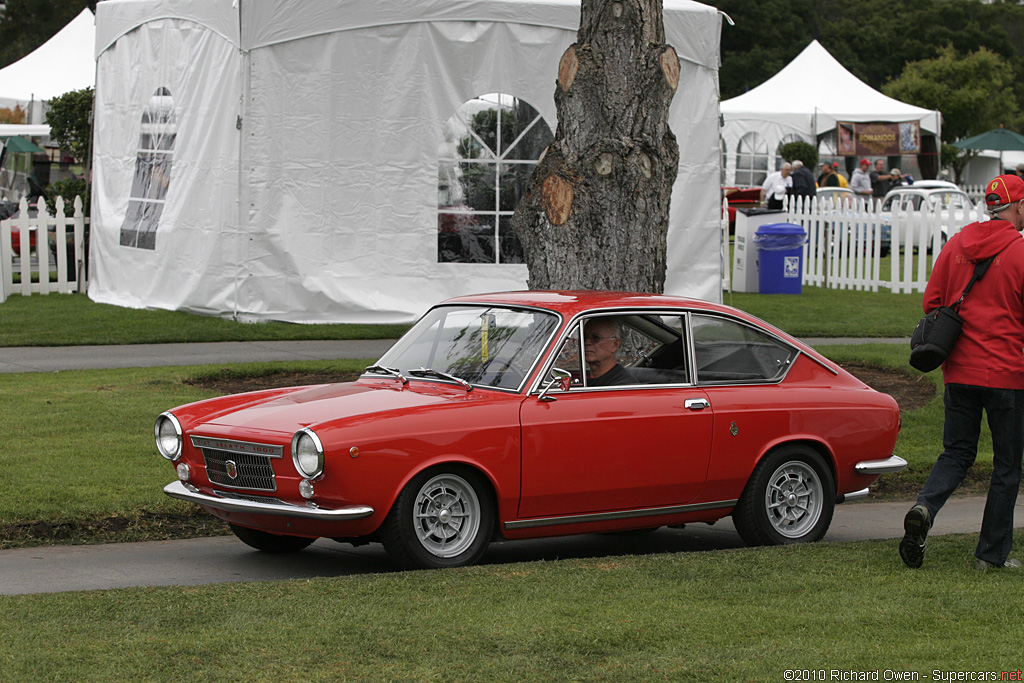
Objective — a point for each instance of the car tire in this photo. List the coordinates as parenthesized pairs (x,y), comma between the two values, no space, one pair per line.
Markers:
(444,517)
(268,542)
(790,498)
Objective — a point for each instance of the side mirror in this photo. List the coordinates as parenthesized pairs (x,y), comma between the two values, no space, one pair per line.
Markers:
(562,379)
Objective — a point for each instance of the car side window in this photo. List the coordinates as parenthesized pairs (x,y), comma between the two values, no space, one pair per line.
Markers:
(643,350)
(728,351)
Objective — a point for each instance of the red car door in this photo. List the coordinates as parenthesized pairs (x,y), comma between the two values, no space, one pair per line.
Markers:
(615,449)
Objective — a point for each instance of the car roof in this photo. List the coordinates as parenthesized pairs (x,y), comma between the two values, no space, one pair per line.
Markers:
(934,183)
(573,302)
(926,191)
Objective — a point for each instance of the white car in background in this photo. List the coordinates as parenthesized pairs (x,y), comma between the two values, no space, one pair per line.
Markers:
(842,196)
(955,208)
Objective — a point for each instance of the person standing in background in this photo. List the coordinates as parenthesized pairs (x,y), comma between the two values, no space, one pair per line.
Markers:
(775,187)
(860,181)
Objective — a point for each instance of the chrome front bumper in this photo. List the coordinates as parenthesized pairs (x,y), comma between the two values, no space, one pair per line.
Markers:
(189,493)
(891,464)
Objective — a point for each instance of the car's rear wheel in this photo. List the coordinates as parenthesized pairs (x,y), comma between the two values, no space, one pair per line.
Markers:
(444,517)
(790,498)
(268,542)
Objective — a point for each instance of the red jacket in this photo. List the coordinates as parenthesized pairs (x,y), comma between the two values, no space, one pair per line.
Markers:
(991,351)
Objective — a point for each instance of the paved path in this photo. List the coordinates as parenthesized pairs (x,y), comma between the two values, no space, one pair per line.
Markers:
(226,559)
(54,358)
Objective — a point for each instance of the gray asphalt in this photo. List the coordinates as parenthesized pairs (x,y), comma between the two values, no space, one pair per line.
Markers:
(57,358)
(225,559)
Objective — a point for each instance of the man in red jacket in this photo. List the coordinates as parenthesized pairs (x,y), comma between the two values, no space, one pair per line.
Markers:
(985,371)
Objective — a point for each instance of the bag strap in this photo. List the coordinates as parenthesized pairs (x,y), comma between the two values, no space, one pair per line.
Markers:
(979,272)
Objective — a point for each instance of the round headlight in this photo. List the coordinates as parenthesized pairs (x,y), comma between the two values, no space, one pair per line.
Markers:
(168,436)
(307,454)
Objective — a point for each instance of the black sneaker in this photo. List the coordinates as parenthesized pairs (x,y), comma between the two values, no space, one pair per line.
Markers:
(916,525)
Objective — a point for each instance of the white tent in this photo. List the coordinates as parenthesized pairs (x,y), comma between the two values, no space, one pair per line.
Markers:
(807,98)
(286,159)
(61,64)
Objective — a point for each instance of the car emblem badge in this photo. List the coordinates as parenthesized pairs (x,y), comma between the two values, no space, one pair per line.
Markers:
(231,469)
(733,429)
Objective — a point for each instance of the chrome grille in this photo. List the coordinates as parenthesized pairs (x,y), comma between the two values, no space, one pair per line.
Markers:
(254,472)
(254,499)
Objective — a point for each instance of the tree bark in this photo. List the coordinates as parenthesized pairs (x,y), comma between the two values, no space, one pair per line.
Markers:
(595,213)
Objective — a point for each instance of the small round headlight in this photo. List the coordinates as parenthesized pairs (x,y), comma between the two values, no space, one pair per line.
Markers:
(168,436)
(307,453)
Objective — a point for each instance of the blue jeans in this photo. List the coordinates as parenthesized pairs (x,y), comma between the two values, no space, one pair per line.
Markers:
(1005,411)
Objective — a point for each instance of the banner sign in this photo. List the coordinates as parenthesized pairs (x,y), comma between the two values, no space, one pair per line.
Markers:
(878,139)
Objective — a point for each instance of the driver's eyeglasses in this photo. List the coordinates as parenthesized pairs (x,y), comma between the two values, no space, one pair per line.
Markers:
(594,338)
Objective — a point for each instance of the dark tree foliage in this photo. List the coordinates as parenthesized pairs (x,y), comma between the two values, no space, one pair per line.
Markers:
(70,122)
(27,24)
(874,39)
(803,151)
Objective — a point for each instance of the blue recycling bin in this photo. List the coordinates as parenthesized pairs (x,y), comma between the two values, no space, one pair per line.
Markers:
(780,252)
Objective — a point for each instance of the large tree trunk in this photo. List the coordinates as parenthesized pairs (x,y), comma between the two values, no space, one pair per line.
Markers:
(595,214)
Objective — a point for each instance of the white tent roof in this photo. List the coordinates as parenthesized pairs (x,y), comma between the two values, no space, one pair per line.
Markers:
(63,63)
(806,99)
(814,92)
(269,23)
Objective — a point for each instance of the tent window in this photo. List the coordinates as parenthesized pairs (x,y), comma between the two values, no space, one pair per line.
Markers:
(491,145)
(751,160)
(792,137)
(152,172)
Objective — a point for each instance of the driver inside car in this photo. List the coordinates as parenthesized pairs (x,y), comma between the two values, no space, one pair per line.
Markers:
(602,337)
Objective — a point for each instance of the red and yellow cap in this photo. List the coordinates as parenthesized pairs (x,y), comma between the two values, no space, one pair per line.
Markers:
(1004,189)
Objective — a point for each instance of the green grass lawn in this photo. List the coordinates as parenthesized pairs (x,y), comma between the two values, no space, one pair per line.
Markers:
(724,615)
(84,447)
(75,320)
(819,312)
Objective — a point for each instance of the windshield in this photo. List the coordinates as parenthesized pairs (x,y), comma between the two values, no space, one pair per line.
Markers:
(483,345)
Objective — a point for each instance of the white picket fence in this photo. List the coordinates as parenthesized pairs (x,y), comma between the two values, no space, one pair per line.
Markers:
(48,230)
(845,246)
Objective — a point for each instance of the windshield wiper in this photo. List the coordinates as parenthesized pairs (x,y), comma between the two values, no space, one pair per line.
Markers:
(429,372)
(384,370)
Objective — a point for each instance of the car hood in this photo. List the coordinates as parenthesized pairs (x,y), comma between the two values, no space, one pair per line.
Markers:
(349,402)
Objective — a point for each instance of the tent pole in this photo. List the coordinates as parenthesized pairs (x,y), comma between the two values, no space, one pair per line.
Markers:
(241,195)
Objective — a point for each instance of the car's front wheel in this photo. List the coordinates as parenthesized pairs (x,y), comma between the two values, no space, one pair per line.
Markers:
(268,542)
(444,517)
(790,498)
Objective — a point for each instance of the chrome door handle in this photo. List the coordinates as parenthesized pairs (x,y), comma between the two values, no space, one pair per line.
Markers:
(696,404)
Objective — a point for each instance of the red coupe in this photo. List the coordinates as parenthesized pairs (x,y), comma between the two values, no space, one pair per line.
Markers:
(490,418)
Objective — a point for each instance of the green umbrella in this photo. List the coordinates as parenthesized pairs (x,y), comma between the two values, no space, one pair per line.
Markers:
(996,139)
(19,145)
